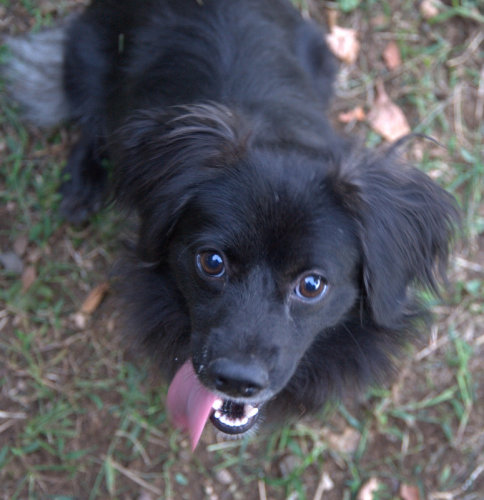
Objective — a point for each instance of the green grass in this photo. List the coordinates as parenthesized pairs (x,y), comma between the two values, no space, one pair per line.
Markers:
(78,420)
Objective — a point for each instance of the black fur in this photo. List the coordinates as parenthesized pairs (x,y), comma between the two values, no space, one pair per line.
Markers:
(213,114)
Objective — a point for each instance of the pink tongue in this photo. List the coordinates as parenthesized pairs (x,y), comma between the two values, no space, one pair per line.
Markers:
(189,403)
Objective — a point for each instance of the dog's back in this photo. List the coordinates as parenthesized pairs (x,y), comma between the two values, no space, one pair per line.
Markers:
(246,52)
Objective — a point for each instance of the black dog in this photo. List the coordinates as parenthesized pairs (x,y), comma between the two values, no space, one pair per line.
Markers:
(275,259)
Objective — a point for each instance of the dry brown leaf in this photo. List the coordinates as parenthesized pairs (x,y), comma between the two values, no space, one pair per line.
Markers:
(28,277)
(379,21)
(34,255)
(331,18)
(20,245)
(347,442)
(429,8)
(344,44)
(94,298)
(355,114)
(386,117)
(367,490)
(391,55)
(409,492)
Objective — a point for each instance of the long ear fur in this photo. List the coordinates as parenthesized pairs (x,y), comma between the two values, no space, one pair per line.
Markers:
(163,156)
(406,225)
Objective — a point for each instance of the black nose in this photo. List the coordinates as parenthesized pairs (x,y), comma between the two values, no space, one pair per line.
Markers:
(238,379)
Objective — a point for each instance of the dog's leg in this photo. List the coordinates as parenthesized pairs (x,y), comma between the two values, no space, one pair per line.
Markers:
(86,179)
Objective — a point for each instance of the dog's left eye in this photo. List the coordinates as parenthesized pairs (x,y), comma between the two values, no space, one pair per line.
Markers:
(311,287)
(211,263)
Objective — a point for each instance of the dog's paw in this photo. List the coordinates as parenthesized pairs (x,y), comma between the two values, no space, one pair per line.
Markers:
(79,202)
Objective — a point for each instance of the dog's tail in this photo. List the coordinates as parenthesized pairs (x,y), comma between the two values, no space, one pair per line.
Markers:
(33,72)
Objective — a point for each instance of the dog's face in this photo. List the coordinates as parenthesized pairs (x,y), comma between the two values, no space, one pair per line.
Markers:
(272,275)
(265,259)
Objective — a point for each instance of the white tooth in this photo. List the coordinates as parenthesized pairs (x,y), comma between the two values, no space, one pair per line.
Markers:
(231,422)
(251,411)
(217,404)
(225,420)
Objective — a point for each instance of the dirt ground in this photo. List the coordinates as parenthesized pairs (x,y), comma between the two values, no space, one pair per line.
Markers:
(82,416)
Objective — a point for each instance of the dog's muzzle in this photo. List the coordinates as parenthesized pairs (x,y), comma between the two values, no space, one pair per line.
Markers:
(190,404)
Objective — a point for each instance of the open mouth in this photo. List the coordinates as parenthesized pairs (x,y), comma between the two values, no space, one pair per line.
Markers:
(190,404)
(233,418)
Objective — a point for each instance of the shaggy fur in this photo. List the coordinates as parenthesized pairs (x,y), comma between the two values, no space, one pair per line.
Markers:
(213,115)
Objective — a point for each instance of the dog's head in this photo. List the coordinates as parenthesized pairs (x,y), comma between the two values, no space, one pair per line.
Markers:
(290,269)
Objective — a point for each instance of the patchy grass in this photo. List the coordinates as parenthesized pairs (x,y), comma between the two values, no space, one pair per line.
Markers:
(81,417)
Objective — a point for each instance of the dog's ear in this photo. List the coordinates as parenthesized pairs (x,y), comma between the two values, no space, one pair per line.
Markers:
(163,156)
(154,147)
(406,223)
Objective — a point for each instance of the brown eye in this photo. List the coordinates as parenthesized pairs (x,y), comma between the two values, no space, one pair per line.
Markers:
(311,286)
(211,263)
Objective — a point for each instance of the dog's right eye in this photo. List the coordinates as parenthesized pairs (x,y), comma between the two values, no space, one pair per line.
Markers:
(211,263)
(311,287)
